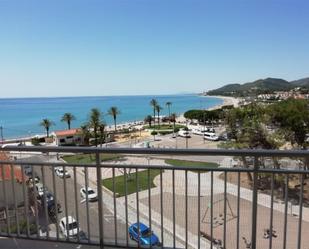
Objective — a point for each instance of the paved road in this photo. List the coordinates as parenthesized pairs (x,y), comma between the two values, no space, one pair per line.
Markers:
(91,230)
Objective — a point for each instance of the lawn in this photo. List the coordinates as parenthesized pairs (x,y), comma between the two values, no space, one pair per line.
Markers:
(164,127)
(184,163)
(131,182)
(90,158)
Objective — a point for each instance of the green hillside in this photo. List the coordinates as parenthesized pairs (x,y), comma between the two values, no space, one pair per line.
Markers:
(260,86)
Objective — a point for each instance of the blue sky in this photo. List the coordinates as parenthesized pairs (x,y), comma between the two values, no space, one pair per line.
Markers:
(127,47)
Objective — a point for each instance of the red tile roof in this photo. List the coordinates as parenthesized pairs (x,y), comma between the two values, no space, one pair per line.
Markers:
(70,132)
(7,169)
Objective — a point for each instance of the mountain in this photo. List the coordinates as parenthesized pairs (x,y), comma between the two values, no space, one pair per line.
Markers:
(302,82)
(260,86)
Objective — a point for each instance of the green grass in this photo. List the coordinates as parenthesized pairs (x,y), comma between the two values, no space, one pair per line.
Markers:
(90,158)
(184,163)
(22,228)
(164,127)
(131,182)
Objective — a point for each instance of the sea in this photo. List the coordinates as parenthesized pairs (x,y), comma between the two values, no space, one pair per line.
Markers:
(20,117)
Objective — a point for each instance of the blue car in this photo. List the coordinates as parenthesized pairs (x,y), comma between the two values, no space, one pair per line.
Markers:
(145,236)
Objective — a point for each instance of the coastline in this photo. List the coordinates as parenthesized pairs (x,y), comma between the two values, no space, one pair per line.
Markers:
(133,124)
(226,101)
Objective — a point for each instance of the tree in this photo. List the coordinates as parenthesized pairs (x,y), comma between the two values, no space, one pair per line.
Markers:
(154,133)
(158,109)
(173,119)
(148,119)
(154,103)
(113,111)
(168,104)
(246,126)
(292,117)
(102,126)
(46,123)
(94,122)
(84,130)
(68,118)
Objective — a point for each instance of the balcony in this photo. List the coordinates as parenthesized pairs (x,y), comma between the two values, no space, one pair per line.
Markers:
(250,199)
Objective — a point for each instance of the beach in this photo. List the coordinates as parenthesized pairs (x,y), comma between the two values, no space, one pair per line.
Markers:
(226,101)
(21,117)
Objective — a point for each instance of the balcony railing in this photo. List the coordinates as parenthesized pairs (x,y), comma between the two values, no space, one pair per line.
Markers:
(254,199)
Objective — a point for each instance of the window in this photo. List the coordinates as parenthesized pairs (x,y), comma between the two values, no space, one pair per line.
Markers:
(73,225)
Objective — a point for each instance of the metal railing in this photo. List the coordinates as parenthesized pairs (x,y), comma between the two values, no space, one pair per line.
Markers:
(249,205)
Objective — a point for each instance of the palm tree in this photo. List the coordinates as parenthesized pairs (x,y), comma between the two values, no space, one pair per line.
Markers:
(154,103)
(173,119)
(113,111)
(168,104)
(68,118)
(102,132)
(158,109)
(148,119)
(84,130)
(94,122)
(46,123)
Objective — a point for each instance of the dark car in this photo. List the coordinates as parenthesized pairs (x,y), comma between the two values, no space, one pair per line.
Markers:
(50,202)
(142,234)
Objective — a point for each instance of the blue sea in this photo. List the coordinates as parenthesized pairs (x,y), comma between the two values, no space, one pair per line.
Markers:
(20,117)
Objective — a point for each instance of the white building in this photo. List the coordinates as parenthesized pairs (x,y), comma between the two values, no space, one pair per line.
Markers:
(68,137)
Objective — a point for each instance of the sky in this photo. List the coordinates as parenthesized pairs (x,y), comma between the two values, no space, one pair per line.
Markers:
(132,47)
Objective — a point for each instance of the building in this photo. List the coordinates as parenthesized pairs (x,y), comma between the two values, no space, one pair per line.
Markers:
(68,137)
(13,194)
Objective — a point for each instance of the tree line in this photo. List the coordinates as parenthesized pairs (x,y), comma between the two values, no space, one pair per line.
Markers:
(95,126)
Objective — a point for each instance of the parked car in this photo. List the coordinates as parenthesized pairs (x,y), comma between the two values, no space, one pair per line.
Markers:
(50,203)
(184,133)
(68,226)
(28,170)
(92,196)
(223,137)
(211,136)
(62,173)
(142,234)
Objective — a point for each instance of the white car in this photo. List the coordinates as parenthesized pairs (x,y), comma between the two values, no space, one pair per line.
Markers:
(92,196)
(211,136)
(183,133)
(62,173)
(70,228)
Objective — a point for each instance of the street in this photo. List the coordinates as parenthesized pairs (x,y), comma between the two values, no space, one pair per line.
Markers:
(89,230)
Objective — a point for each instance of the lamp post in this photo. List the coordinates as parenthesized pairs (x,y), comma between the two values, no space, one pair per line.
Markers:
(1,133)
(204,126)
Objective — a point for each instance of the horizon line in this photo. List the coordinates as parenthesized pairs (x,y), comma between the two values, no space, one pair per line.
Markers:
(95,96)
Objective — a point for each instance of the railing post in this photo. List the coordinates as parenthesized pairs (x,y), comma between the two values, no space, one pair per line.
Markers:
(100,200)
(254,203)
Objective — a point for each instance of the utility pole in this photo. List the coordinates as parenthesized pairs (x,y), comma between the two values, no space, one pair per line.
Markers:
(1,133)
(204,126)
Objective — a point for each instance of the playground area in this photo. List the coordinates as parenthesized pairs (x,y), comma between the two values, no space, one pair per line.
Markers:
(245,218)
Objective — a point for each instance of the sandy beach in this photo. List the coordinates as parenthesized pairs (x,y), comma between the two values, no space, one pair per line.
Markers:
(226,101)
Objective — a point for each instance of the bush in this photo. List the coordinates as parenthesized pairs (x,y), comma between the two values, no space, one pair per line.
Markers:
(153,133)
(35,141)
(165,132)
(176,129)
